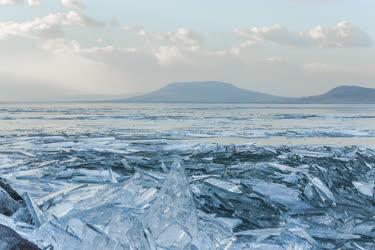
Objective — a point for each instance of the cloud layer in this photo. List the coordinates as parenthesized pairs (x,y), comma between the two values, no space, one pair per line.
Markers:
(13,2)
(73,4)
(46,27)
(342,35)
(71,50)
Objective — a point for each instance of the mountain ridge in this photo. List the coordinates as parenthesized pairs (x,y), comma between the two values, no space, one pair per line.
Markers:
(223,92)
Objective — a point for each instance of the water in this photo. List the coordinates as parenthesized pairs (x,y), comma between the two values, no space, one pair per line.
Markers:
(223,123)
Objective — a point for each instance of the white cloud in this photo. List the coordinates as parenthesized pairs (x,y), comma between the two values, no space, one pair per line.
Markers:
(169,55)
(169,47)
(275,34)
(60,46)
(183,37)
(177,46)
(73,4)
(46,27)
(114,62)
(13,2)
(138,30)
(342,35)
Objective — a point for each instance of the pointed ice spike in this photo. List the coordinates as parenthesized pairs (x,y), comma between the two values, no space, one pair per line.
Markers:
(36,213)
(172,219)
(112,177)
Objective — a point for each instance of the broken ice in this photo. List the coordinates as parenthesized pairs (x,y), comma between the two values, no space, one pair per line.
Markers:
(161,196)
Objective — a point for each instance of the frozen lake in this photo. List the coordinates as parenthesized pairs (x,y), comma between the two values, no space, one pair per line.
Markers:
(162,176)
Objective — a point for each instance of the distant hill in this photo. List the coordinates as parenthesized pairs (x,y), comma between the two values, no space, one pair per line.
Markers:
(221,92)
(204,92)
(343,94)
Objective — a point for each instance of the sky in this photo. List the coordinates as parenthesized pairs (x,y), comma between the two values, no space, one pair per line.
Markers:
(53,49)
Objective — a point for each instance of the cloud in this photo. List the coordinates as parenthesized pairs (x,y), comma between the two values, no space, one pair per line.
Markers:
(177,46)
(183,37)
(169,47)
(180,37)
(134,58)
(73,4)
(46,27)
(60,46)
(275,34)
(342,35)
(106,54)
(13,2)
(169,55)
(138,30)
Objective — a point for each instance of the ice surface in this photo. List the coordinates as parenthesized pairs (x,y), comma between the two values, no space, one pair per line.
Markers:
(215,197)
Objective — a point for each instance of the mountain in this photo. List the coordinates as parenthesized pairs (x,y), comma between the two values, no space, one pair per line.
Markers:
(204,92)
(343,94)
(221,92)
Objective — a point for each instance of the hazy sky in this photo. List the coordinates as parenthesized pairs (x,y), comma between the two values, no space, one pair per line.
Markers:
(56,48)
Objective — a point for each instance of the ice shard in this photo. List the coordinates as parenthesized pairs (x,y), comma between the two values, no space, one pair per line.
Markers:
(127,228)
(279,238)
(317,192)
(75,235)
(92,237)
(8,206)
(365,188)
(172,219)
(8,189)
(35,212)
(281,194)
(112,176)
(10,239)
(288,197)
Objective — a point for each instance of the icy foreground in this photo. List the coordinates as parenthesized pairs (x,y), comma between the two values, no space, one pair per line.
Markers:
(162,196)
